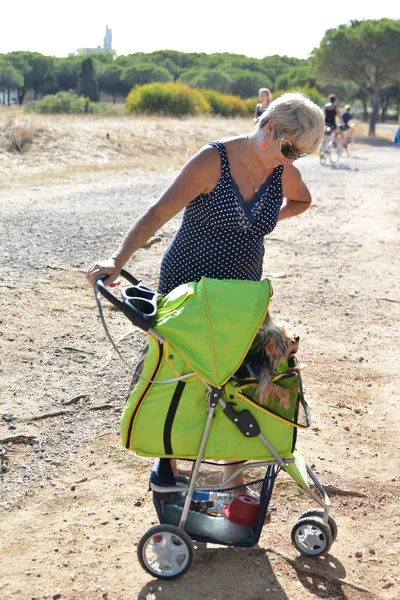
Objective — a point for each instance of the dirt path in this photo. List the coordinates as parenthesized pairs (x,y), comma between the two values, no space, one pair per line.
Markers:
(74,504)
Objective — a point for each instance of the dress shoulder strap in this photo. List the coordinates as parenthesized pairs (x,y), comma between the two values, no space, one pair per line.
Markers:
(224,156)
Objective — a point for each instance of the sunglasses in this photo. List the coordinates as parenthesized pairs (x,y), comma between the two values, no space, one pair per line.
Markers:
(287,148)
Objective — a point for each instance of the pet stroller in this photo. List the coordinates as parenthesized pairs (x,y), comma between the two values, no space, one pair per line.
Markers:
(194,400)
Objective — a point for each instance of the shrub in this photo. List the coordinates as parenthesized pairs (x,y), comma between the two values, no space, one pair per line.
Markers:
(103,108)
(176,99)
(69,103)
(226,105)
(18,135)
(63,102)
(251,104)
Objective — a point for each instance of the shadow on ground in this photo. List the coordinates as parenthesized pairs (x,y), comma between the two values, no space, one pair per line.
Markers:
(250,572)
(373,141)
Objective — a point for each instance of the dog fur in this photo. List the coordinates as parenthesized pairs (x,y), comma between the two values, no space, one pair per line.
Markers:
(273,345)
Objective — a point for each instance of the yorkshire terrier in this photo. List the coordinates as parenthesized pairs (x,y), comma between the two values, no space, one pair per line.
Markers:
(274,344)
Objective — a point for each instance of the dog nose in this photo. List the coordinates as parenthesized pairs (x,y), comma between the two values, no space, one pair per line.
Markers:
(297,339)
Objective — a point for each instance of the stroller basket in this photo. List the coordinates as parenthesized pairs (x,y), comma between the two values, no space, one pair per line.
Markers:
(202,526)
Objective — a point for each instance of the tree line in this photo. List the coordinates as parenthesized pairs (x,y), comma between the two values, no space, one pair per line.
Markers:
(358,61)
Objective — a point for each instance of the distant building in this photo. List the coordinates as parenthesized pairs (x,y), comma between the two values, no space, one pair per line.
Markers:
(106,49)
(107,42)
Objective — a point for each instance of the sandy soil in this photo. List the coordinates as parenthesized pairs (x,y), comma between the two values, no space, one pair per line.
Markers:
(74,504)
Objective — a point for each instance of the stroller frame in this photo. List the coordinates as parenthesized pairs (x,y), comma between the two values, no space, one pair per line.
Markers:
(312,535)
(213,397)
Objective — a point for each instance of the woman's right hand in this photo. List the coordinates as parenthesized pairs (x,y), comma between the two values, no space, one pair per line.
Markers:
(104,267)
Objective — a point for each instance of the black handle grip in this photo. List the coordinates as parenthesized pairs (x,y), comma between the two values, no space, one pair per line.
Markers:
(139,303)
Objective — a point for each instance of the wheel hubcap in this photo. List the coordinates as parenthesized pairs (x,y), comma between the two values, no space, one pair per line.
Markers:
(165,554)
(311,539)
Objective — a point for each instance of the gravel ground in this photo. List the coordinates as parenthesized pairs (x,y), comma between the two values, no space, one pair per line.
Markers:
(75,504)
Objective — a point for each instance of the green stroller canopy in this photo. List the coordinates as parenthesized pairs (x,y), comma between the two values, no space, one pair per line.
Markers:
(212,323)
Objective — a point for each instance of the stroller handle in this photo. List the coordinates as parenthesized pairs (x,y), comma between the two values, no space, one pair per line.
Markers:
(139,303)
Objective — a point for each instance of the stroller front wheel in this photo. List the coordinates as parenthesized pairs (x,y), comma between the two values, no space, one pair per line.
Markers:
(311,536)
(165,551)
(315,512)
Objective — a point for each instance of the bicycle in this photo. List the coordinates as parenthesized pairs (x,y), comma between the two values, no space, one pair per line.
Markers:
(348,140)
(330,149)
(335,148)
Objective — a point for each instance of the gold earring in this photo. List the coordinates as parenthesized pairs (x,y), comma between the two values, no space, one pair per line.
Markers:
(264,145)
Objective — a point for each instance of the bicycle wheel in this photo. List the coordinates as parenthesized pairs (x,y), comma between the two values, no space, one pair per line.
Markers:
(323,152)
(350,146)
(335,151)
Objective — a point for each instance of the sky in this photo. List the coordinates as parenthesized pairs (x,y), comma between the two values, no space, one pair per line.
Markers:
(291,27)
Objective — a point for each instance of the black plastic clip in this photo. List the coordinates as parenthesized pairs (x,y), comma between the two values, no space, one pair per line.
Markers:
(244,421)
(213,396)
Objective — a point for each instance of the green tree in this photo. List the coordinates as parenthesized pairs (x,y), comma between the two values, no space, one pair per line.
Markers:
(365,52)
(246,83)
(34,67)
(110,80)
(275,65)
(67,72)
(20,61)
(207,79)
(50,85)
(87,81)
(143,73)
(171,67)
(295,77)
(10,78)
(390,99)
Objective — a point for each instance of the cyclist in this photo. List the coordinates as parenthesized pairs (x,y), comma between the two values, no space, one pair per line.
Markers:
(331,111)
(349,123)
(347,116)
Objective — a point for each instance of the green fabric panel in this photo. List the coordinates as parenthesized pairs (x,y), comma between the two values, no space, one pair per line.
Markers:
(147,435)
(212,323)
(298,470)
(225,441)
(138,391)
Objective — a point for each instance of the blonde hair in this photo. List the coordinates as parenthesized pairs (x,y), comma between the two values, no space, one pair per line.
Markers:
(266,91)
(297,116)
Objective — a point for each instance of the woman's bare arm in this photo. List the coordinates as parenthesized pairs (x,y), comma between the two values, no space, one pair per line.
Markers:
(200,175)
(296,193)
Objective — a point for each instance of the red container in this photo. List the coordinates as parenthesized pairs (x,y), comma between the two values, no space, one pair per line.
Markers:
(243,510)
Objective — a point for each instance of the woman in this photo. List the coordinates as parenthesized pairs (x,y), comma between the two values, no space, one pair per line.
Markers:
(232,192)
(264,96)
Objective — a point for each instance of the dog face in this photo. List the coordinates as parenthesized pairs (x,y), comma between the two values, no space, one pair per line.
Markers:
(280,342)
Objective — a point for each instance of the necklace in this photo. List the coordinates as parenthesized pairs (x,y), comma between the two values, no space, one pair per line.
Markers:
(256,187)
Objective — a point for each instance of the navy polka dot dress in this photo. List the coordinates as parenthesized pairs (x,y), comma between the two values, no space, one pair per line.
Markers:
(222,236)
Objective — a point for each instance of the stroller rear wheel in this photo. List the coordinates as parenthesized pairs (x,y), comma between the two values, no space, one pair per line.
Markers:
(315,512)
(311,536)
(165,551)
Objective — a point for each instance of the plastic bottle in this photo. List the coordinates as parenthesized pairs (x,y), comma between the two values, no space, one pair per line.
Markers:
(210,502)
(201,502)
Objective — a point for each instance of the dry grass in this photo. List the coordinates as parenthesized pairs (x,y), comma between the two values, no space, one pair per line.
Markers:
(64,146)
